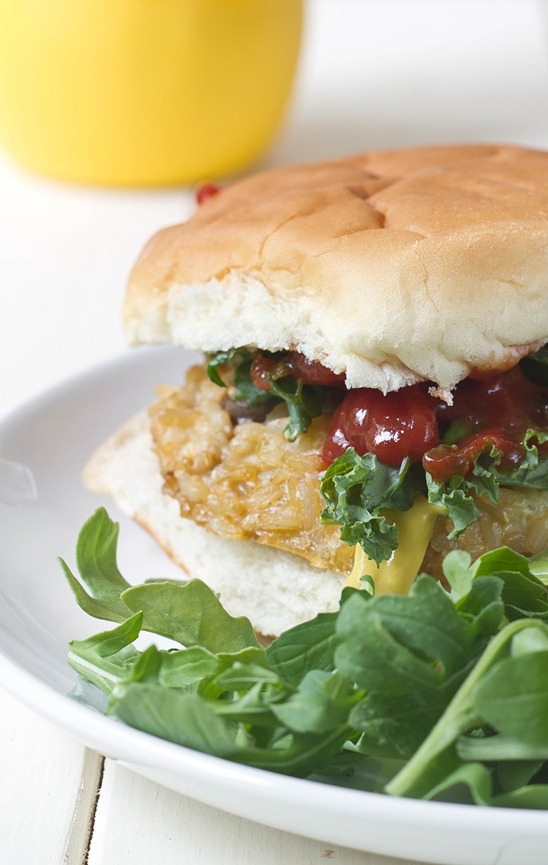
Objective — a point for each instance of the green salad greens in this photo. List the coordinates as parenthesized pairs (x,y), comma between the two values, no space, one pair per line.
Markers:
(303,402)
(440,694)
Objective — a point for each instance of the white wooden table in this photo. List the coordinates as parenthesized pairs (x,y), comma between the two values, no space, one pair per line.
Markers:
(375,73)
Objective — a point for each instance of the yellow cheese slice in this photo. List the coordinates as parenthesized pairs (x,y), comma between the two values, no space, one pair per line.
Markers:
(397,574)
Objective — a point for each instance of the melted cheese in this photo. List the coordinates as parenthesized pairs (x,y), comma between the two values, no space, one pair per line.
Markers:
(396,575)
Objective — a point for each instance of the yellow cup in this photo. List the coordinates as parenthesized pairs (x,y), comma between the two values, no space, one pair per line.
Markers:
(144,92)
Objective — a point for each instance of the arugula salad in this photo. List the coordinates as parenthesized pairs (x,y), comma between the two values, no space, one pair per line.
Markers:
(441,694)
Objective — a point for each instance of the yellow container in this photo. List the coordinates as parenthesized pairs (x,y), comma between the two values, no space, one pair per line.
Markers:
(144,92)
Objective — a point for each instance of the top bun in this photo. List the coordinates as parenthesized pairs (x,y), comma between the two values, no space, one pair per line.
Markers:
(394,267)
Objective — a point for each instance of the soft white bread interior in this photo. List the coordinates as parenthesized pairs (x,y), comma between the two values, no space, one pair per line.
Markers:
(421,264)
(275,589)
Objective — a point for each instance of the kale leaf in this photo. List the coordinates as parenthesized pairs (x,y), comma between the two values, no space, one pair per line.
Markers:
(357,491)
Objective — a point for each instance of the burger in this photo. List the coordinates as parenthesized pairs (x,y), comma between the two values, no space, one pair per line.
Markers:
(373,391)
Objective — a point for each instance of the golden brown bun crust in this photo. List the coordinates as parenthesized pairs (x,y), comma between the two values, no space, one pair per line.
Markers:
(427,263)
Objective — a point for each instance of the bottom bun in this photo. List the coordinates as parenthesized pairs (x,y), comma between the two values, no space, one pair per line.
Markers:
(273,588)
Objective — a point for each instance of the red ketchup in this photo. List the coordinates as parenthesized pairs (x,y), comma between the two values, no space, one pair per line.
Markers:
(495,411)
(400,424)
(445,461)
(205,191)
(296,365)
(508,400)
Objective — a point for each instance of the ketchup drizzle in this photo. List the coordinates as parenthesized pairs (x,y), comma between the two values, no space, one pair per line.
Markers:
(494,412)
(398,425)
(205,191)
(295,364)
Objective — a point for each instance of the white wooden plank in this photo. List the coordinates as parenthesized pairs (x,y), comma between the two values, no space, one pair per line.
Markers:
(46,787)
(140,822)
(77,843)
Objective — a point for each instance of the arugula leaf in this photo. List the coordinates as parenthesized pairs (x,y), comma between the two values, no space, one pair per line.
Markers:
(530,796)
(305,647)
(204,621)
(418,649)
(185,667)
(519,680)
(190,614)
(437,758)
(320,704)
(513,774)
(96,560)
(357,491)
(469,783)
(474,783)
(458,573)
(483,608)
(182,718)
(230,729)
(304,402)
(215,363)
(432,691)
(538,565)
(107,657)
(523,594)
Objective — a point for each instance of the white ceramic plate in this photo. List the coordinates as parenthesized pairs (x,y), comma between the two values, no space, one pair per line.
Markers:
(43,448)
